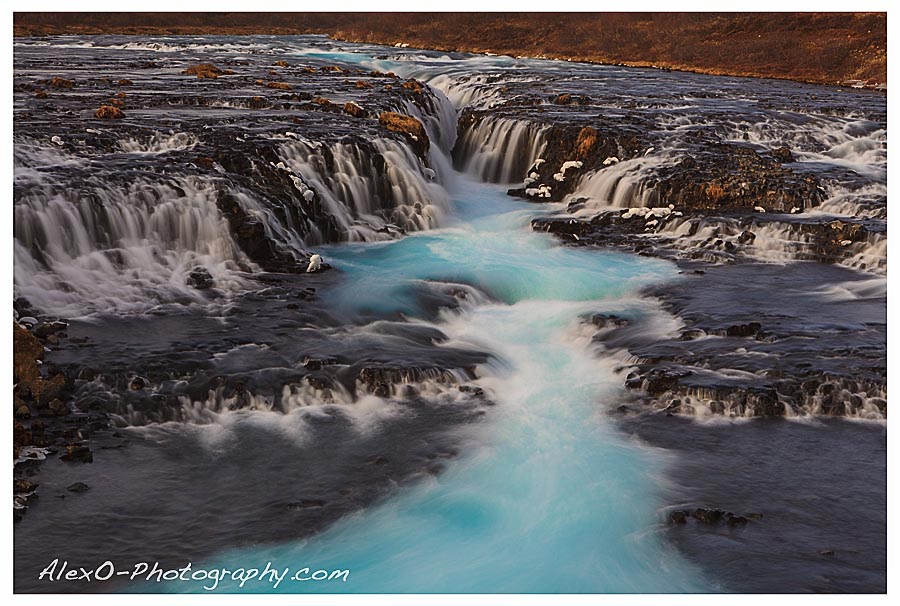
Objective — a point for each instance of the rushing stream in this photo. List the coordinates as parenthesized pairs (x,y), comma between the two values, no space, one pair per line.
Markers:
(549,497)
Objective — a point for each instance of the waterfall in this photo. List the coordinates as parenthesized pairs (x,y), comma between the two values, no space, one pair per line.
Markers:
(625,184)
(368,194)
(116,246)
(499,150)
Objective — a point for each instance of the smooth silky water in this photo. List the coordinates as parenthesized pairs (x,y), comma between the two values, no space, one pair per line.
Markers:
(547,495)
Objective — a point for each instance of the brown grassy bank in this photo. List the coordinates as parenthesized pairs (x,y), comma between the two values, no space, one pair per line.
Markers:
(826,48)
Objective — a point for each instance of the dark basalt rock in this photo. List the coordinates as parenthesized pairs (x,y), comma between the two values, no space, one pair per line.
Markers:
(751,329)
(710,517)
(78,487)
(601,320)
(304,504)
(783,155)
(657,380)
(79,453)
(200,278)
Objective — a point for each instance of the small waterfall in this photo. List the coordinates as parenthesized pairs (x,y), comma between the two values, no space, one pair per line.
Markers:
(109,246)
(626,184)
(159,143)
(89,240)
(369,195)
(499,150)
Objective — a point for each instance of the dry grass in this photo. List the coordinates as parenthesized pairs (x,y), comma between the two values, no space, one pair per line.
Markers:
(816,47)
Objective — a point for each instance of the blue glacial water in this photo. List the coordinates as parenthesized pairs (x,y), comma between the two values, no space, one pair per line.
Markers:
(547,496)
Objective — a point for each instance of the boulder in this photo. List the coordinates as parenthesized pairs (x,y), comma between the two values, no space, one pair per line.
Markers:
(206,70)
(109,112)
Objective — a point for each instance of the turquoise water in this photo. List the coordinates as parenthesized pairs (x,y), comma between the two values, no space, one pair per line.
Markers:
(546,495)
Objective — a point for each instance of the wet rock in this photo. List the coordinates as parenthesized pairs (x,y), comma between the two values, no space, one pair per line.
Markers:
(378,379)
(750,329)
(21,438)
(657,380)
(317,363)
(78,487)
(279,85)
(46,329)
(109,112)
(783,154)
(58,407)
(125,82)
(138,383)
(21,486)
(708,516)
(413,85)
(304,504)
(78,453)
(601,320)
(354,110)
(206,70)
(746,237)
(733,521)
(57,82)
(200,278)
(401,123)
(678,517)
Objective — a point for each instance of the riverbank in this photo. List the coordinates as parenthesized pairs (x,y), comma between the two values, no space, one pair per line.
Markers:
(848,49)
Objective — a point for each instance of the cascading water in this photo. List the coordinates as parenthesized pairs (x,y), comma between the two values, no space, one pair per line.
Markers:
(499,150)
(550,496)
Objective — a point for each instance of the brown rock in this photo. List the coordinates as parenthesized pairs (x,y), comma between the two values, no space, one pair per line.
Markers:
(78,452)
(58,407)
(281,63)
(413,85)
(354,110)
(279,85)
(587,140)
(125,82)
(41,94)
(109,112)
(27,350)
(206,70)
(21,438)
(401,123)
(60,83)
(363,84)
